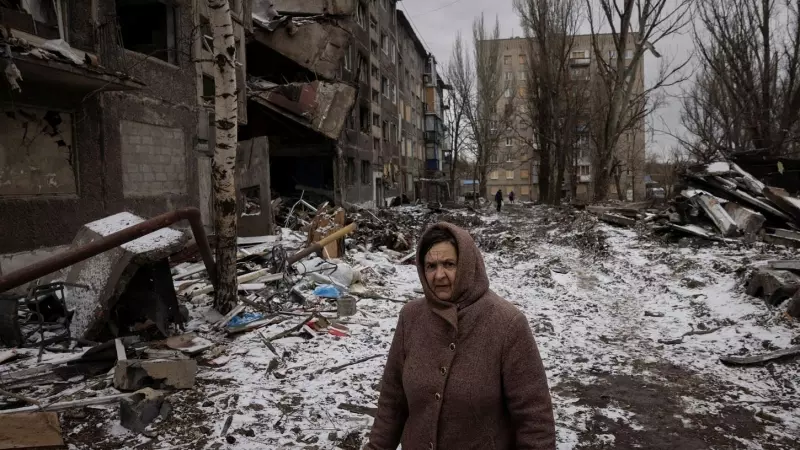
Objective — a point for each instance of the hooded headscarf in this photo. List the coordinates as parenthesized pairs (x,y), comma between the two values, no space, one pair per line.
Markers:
(471,282)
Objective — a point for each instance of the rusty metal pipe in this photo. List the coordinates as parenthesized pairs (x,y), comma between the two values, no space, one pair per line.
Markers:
(76,255)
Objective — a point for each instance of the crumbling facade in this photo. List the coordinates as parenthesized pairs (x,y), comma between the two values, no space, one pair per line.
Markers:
(100,116)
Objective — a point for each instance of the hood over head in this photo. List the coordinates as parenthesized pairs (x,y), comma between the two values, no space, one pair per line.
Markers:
(471,281)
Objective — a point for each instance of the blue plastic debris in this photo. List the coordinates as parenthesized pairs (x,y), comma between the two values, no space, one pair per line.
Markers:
(244,319)
(327,291)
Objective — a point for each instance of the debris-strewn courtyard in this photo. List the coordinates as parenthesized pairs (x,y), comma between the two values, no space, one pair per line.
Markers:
(631,327)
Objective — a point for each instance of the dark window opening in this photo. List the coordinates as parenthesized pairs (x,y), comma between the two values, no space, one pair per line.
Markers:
(207,35)
(350,171)
(364,118)
(209,88)
(148,27)
(365,169)
(252,201)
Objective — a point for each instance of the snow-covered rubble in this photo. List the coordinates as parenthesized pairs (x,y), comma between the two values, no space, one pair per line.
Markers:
(585,288)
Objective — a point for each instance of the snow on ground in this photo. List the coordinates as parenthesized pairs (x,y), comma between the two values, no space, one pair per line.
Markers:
(585,288)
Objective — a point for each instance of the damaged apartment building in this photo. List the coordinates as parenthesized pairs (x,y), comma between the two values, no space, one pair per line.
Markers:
(102,112)
(109,107)
(338,90)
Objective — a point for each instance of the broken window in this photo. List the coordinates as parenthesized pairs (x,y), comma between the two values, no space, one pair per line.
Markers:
(376,120)
(361,14)
(507,60)
(385,43)
(393,94)
(375,96)
(373,47)
(522,59)
(207,35)
(365,169)
(363,113)
(208,90)
(385,87)
(376,144)
(376,74)
(348,65)
(385,130)
(148,27)
(362,65)
(252,201)
(46,19)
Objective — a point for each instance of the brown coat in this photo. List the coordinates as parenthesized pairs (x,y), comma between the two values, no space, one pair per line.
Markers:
(464,374)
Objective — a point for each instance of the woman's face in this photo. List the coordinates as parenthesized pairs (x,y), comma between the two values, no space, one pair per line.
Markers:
(441,263)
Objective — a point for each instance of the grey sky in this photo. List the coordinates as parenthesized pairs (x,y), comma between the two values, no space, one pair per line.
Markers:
(438,21)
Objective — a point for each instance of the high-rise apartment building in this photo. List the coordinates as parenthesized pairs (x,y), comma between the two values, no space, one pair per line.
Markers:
(515,164)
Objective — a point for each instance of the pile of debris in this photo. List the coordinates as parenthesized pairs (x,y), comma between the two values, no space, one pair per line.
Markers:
(722,202)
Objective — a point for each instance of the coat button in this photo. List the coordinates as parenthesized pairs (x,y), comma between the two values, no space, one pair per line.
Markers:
(437,396)
(443,370)
(453,346)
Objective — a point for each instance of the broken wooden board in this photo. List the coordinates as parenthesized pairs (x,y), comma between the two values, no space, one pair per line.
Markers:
(30,430)
(618,220)
(776,239)
(63,406)
(693,230)
(762,358)
(7,355)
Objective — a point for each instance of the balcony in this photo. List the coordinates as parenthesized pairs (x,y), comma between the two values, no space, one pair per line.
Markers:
(584,178)
(578,62)
(432,137)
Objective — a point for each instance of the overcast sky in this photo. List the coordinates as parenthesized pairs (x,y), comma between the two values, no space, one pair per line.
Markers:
(438,21)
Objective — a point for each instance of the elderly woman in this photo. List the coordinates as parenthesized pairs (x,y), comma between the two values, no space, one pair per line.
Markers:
(463,371)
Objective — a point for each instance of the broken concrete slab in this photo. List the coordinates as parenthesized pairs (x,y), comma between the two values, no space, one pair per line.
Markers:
(784,201)
(747,220)
(714,210)
(108,274)
(318,46)
(135,374)
(781,239)
(30,430)
(318,105)
(137,411)
(793,306)
(189,343)
(774,286)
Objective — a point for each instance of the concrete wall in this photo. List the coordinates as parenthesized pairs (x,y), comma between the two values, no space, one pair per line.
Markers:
(153,159)
(106,183)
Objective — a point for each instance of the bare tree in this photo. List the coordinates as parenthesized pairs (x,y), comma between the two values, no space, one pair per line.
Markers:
(621,101)
(551,109)
(462,82)
(223,165)
(486,125)
(747,94)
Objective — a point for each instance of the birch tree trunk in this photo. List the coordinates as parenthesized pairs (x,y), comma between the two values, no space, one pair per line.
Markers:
(223,166)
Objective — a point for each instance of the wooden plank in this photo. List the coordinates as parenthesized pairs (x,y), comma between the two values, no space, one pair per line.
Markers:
(63,406)
(121,356)
(30,430)
(762,358)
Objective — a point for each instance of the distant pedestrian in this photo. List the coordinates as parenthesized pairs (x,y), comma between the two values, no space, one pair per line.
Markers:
(511,197)
(498,198)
